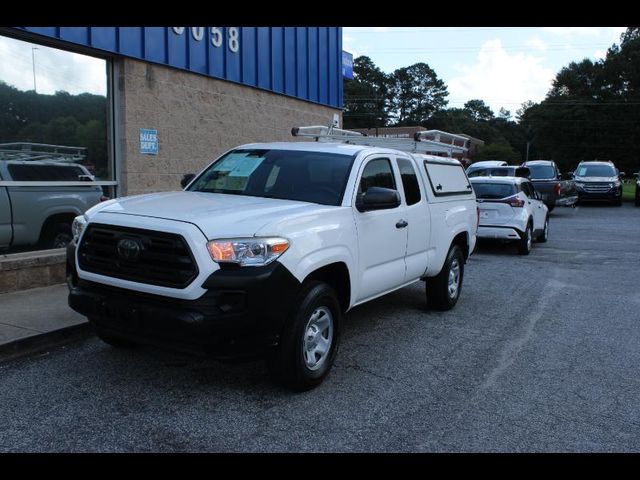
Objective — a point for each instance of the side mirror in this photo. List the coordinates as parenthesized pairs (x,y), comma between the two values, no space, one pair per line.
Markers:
(622,174)
(568,176)
(636,175)
(377,198)
(187,179)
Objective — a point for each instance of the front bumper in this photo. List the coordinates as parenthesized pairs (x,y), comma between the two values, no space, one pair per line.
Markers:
(612,194)
(240,315)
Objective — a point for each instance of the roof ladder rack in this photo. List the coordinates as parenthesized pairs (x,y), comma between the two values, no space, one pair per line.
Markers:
(322,133)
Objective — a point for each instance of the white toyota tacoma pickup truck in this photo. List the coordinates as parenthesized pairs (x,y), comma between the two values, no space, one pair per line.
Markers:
(266,249)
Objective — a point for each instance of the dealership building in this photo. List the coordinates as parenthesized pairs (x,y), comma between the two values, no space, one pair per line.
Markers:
(177,97)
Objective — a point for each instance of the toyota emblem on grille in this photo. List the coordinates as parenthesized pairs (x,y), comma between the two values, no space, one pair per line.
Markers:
(129,249)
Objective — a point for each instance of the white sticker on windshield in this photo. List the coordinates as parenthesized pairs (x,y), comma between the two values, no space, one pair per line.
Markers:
(246,167)
(582,172)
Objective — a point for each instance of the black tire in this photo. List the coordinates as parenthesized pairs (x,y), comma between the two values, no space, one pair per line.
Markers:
(544,236)
(114,340)
(524,245)
(551,207)
(290,365)
(56,235)
(618,201)
(439,295)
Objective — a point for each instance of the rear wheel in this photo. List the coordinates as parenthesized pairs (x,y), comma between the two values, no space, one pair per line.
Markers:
(310,339)
(443,290)
(544,236)
(524,245)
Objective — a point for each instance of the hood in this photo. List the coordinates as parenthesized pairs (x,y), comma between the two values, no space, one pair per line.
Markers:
(217,215)
(596,179)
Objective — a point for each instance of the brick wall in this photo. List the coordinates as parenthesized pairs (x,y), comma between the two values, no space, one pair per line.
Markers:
(197,119)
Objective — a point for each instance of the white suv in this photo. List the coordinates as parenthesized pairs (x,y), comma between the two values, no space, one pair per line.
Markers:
(268,247)
(511,209)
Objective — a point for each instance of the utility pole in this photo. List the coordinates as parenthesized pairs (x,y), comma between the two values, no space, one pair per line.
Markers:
(527,152)
(33,61)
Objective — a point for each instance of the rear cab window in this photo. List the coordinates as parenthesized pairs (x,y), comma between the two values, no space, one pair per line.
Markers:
(447,178)
(410,182)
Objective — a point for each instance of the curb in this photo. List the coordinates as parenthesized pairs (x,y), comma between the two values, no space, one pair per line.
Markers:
(44,341)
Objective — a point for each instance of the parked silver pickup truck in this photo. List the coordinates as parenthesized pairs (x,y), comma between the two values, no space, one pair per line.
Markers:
(40,215)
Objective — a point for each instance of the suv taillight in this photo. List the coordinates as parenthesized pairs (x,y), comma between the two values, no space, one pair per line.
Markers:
(514,201)
(556,189)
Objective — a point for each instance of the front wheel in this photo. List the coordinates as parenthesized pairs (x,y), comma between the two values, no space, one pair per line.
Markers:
(443,290)
(310,339)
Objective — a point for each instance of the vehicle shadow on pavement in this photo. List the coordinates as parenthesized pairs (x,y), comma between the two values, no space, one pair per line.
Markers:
(495,247)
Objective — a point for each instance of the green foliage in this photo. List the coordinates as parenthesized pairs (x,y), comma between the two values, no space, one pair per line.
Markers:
(592,110)
(366,97)
(417,93)
(499,151)
(59,119)
(478,110)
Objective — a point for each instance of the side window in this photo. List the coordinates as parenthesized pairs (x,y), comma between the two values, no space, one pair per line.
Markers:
(377,173)
(527,189)
(409,181)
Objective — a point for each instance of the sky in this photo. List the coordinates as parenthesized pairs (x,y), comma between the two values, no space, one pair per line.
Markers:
(54,69)
(503,66)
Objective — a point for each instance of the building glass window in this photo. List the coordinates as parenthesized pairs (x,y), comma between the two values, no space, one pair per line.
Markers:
(56,142)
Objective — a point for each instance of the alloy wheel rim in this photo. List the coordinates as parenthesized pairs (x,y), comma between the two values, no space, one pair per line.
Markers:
(454,279)
(318,338)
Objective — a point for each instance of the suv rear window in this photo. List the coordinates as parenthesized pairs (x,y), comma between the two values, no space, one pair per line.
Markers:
(493,190)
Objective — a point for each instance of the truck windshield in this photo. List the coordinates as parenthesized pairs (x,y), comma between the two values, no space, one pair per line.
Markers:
(493,190)
(541,172)
(595,171)
(285,174)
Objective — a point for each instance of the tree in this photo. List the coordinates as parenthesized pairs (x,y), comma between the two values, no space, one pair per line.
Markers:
(478,110)
(505,114)
(499,151)
(523,109)
(417,93)
(366,97)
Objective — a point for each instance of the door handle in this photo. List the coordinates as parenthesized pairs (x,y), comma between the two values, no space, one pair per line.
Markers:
(402,224)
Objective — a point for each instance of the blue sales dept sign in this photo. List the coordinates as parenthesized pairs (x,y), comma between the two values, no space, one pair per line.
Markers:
(148,141)
(347,65)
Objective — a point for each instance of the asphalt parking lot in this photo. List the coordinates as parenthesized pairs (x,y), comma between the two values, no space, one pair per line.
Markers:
(540,354)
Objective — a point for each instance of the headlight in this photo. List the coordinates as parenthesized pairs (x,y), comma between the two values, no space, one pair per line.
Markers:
(579,185)
(78,226)
(250,252)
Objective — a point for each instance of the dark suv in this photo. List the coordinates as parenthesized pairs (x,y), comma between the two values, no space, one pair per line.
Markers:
(598,181)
